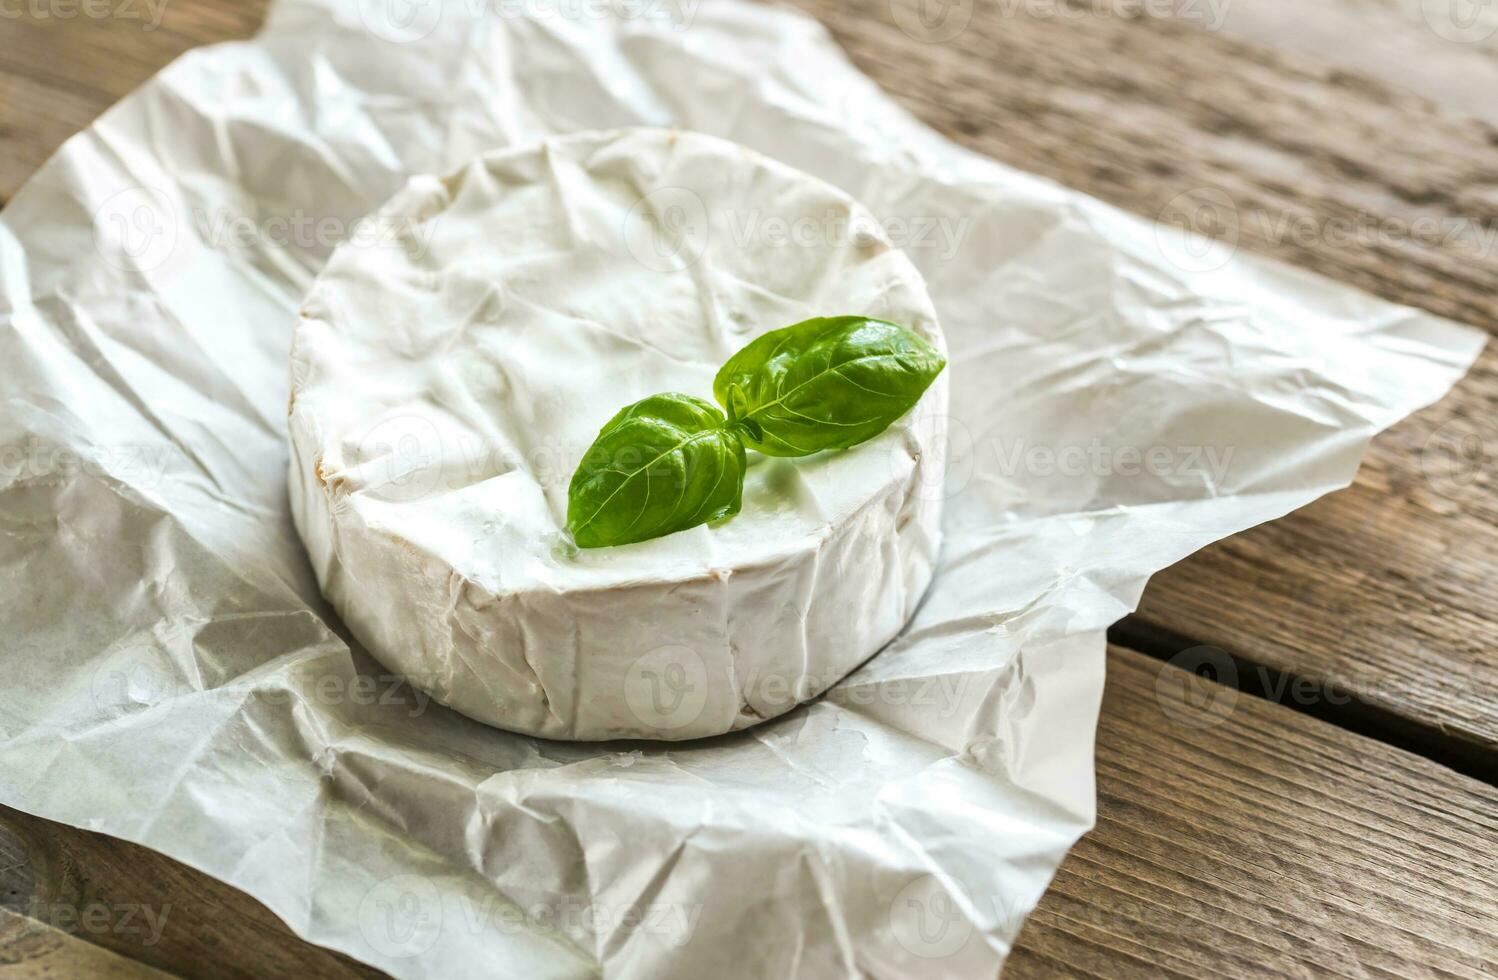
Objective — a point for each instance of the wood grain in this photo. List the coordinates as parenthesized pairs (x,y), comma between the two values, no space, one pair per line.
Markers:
(58,73)
(64,888)
(1423,47)
(31,950)
(1384,592)
(1268,842)
(1237,838)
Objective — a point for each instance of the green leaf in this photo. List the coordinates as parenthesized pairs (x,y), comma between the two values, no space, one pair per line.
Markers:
(827,383)
(664,464)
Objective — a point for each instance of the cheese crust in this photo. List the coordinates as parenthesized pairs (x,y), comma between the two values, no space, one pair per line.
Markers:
(450,369)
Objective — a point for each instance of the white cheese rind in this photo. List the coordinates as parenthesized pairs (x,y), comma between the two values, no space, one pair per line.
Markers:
(449,372)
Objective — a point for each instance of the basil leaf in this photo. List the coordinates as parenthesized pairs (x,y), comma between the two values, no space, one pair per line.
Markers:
(826,383)
(664,464)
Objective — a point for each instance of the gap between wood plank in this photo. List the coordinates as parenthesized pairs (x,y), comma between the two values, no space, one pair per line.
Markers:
(1276,686)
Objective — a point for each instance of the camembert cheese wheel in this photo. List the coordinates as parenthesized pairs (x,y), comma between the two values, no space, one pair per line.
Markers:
(450,370)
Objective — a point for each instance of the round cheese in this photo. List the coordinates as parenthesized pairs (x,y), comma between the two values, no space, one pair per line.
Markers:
(456,358)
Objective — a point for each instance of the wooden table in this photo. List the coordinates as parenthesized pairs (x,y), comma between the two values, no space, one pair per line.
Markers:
(1333,812)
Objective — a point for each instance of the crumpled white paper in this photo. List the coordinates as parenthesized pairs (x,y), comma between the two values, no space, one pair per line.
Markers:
(1120,399)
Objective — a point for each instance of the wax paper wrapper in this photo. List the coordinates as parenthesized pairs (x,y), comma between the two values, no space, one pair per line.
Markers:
(1121,396)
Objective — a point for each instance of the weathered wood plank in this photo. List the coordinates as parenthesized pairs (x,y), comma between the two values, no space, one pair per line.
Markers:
(35,119)
(1316,163)
(1139,111)
(58,73)
(1444,51)
(31,950)
(1383,591)
(65,888)
(1236,837)
(1204,860)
